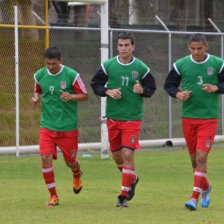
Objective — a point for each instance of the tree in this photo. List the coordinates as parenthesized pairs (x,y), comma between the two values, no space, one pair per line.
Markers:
(208,13)
(26,16)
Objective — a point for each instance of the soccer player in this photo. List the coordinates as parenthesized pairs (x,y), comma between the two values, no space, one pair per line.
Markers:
(61,88)
(202,77)
(128,81)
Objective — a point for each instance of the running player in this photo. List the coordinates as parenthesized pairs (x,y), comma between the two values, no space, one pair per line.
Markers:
(60,87)
(202,77)
(128,81)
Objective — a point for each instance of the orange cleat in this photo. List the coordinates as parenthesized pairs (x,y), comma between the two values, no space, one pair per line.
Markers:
(52,202)
(77,185)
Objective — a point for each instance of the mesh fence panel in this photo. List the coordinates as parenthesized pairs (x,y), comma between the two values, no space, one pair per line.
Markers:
(7,87)
(81,51)
(30,60)
(31,49)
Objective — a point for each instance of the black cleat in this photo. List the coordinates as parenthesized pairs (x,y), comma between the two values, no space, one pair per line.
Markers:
(122,201)
(131,193)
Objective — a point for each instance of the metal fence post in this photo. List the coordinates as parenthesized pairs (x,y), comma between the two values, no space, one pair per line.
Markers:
(17,77)
(169,67)
(222,97)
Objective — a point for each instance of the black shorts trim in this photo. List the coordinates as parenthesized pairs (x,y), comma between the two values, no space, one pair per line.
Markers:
(123,146)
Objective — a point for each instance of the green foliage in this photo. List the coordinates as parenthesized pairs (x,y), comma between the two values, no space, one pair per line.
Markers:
(165,185)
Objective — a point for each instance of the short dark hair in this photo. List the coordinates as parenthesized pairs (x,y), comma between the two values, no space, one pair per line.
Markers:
(52,52)
(197,37)
(125,35)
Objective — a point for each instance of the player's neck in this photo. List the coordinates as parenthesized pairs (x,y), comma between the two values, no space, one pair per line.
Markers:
(203,58)
(125,60)
(56,70)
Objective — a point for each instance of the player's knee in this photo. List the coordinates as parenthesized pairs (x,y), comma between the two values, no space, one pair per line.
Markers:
(117,157)
(47,159)
(201,160)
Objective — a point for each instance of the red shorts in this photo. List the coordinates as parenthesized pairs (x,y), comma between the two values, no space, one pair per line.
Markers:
(199,133)
(67,141)
(123,134)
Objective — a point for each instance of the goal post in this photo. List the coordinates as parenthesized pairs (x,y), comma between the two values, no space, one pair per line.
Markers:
(104,56)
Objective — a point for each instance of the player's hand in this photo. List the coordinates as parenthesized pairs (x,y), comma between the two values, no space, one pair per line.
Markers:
(65,96)
(137,88)
(34,100)
(114,93)
(183,96)
(210,88)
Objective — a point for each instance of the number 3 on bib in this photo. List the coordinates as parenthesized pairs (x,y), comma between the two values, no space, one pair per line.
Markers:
(200,81)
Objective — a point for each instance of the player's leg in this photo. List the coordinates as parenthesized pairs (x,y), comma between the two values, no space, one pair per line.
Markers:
(128,172)
(77,173)
(206,135)
(130,132)
(117,156)
(200,174)
(114,135)
(68,143)
(190,135)
(48,153)
(189,131)
(48,174)
(193,161)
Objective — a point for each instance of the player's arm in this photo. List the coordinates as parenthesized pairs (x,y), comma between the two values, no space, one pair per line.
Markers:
(172,83)
(220,85)
(37,94)
(99,81)
(171,86)
(148,86)
(79,89)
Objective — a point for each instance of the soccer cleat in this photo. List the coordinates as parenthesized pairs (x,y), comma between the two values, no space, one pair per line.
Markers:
(192,204)
(52,202)
(122,201)
(131,193)
(205,200)
(77,185)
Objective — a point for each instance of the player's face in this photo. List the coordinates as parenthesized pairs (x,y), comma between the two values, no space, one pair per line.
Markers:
(53,65)
(198,50)
(125,48)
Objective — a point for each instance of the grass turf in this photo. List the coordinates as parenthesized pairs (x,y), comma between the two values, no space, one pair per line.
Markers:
(165,184)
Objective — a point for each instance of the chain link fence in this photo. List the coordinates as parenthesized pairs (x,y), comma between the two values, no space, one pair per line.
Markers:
(30,52)
(31,49)
(81,51)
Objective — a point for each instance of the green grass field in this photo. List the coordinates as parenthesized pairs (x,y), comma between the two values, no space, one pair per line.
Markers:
(165,185)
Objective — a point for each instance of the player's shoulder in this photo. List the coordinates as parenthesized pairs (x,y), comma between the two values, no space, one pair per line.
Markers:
(110,63)
(183,60)
(140,62)
(69,71)
(216,59)
(110,60)
(141,66)
(41,72)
